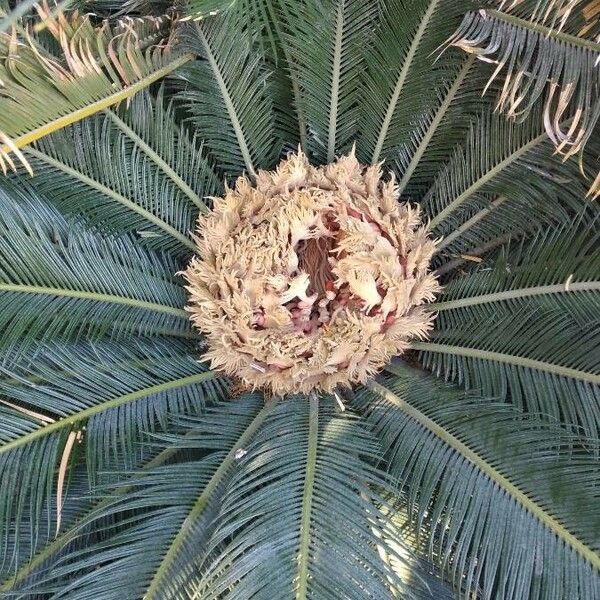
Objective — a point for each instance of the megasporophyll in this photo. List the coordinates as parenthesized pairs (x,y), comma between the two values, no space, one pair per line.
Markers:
(312,277)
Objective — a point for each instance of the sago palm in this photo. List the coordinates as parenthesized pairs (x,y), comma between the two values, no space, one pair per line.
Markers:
(451,234)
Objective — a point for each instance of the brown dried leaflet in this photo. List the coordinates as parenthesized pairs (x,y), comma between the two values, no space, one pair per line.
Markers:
(313,277)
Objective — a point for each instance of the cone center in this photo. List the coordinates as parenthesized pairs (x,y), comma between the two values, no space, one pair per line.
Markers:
(313,258)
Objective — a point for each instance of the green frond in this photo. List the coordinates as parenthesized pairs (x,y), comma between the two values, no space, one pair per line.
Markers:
(200,9)
(408,556)
(402,74)
(59,280)
(262,22)
(526,330)
(114,394)
(507,160)
(438,131)
(300,469)
(477,163)
(26,534)
(151,125)
(128,469)
(27,478)
(422,138)
(68,397)
(265,21)
(326,44)
(508,500)
(552,264)
(539,61)
(130,171)
(177,559)
(226,94)
(278,532)
(99,67)
(176,502)
(77,510)
(542,185)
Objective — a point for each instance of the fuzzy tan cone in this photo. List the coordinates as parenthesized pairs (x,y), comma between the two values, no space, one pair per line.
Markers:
(312,278)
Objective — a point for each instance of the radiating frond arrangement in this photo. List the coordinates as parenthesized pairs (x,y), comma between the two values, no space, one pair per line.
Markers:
(104,386)
(403,77)
(327,70)
(132,468)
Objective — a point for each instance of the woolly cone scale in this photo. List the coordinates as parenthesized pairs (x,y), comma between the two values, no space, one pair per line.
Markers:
(312,278)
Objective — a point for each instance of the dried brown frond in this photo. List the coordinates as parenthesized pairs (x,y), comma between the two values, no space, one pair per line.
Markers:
(539,64)
(552,13)
(97,66)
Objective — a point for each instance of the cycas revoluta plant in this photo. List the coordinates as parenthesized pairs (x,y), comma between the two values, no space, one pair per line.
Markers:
(130,468)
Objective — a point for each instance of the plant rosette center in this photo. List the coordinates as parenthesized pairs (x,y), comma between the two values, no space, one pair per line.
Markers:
(313,277)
